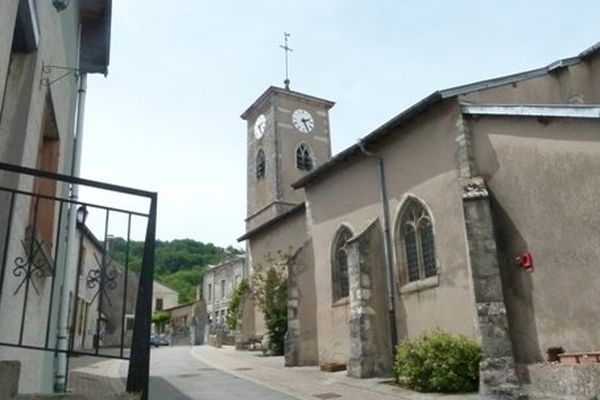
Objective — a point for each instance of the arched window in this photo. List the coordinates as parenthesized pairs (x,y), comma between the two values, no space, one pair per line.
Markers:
(339,264)
(416,246)
(260,165)
(304,160)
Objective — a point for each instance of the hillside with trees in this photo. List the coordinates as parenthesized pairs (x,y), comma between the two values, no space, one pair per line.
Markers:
(179,263)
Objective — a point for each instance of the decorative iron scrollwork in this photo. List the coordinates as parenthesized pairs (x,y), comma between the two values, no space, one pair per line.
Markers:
(34,262)
(47,70)
(102,278)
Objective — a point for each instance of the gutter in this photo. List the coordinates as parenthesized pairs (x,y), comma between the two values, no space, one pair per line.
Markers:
(70,268)
(387,242)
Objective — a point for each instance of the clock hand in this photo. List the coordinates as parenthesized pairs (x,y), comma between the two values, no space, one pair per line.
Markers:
(304,122)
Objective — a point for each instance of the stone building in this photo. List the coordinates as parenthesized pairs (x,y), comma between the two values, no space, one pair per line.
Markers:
(39,42)
(218,283)
(163,296)
(474,210)
(108,314)
(187,323)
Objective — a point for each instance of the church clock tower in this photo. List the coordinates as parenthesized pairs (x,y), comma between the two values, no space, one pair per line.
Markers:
(288,136)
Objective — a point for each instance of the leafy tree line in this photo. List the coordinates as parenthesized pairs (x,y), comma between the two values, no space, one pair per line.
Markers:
(179,263)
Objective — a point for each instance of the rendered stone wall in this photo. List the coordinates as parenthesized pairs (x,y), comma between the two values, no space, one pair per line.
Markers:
(498,379)
(561,381)
(301,338)
(370,346)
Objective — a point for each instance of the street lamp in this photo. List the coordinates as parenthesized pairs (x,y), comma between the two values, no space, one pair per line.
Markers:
(82,214)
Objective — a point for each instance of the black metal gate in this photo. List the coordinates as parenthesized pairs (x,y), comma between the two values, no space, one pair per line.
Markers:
(110,304)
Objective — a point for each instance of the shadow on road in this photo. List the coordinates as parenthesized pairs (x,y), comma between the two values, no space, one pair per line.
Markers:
(161,389)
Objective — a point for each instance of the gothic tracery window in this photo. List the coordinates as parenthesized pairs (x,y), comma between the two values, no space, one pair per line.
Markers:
(304,160)
(260,165)
(416,245)
(339,261)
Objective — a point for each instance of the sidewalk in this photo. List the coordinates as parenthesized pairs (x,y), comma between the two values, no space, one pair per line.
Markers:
(306,383)
(104,379)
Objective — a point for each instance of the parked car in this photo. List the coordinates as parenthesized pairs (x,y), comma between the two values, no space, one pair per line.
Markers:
(154,340)
(159,340)
(163,339)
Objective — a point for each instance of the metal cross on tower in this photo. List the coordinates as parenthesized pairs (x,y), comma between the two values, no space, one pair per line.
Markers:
(287,49)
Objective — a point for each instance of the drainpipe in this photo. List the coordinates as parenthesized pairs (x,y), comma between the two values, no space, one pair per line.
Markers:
(70,267)
(387,243)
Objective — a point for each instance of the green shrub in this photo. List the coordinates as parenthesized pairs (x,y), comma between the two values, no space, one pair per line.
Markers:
(438,362)
(275,310)
(235,303)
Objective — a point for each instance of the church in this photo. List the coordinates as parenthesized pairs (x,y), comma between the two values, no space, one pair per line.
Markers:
(475,210)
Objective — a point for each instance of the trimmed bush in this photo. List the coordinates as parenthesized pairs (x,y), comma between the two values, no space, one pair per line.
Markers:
(438,362)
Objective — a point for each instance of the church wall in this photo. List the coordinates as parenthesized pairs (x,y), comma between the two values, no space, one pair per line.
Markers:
(331,203)
(419,160)
(544,180)
(577,83)
(286,237)
(594,66)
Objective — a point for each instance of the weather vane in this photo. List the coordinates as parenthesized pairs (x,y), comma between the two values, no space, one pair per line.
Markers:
(287,49)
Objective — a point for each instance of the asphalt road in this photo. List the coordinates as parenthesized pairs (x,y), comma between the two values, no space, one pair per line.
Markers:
(176,375)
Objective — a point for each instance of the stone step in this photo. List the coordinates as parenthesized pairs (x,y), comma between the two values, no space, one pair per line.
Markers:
(9,378)
(9,388)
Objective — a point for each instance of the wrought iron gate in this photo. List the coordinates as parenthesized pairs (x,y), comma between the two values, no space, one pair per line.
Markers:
(111,301)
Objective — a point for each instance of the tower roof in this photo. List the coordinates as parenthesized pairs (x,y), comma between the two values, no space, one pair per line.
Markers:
(274,91)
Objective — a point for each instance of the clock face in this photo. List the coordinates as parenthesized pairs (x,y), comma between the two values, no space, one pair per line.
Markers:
(303,121)
(259,126)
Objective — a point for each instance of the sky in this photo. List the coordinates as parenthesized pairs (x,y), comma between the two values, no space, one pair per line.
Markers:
(167,116)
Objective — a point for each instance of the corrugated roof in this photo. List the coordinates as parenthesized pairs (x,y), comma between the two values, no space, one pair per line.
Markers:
(432,99)
(272,222)
(95,18)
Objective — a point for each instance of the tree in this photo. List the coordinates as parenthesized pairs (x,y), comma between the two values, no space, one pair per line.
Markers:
(184,282)
(180,263)
(160,319)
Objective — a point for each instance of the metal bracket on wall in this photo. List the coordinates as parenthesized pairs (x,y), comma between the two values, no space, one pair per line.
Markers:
(47,71)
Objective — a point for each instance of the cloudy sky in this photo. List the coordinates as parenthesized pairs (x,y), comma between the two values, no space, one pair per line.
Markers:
(166,118)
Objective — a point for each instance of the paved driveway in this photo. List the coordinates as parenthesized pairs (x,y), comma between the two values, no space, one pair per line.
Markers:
(176,375)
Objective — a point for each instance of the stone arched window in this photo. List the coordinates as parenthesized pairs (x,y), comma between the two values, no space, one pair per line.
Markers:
(339,263)
(304,159)
(260,165)
(415,242)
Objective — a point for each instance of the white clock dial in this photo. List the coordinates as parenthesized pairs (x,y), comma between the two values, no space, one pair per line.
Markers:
(303,121)
(259,126)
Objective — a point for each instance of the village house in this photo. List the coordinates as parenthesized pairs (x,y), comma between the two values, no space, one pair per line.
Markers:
(163,296)
(105,318)
(187,322)
(218,283)
(474,210)
(47,48)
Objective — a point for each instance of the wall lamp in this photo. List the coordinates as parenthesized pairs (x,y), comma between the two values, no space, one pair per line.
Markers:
(61,5)
(82,214)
